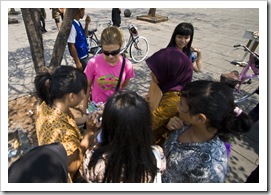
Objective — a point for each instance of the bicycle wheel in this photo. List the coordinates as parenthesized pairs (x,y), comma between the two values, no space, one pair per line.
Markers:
(98,50)
(249,90)
(92,45)
(139,49)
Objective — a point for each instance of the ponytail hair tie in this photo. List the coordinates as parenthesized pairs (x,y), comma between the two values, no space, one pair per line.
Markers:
(238,111)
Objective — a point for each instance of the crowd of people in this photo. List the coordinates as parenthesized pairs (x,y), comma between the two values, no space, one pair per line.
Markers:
(189,129)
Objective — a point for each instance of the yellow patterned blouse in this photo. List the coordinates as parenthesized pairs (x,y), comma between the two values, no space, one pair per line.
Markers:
(54,126)
(167,108)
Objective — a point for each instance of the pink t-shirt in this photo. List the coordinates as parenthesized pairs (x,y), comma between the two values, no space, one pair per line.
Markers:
(105,77)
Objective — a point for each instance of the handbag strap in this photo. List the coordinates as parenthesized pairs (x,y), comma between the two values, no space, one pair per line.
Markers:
(121,72)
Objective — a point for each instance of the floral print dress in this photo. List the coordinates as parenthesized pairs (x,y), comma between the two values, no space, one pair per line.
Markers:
(204,162)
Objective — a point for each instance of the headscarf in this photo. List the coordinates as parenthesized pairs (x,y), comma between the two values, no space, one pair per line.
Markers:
(42,164)
(171,67)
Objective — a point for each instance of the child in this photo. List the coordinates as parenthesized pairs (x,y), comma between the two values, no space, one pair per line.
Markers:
(195,153)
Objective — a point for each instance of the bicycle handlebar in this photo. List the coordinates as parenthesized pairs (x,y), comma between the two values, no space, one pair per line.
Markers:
(247,49)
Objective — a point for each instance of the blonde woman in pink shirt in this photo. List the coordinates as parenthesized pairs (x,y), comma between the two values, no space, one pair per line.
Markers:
(103,70)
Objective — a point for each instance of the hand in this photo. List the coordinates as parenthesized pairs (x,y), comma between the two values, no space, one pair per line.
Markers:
(195,49)
(93,122)
(175,123)
(79,65)
(88,19)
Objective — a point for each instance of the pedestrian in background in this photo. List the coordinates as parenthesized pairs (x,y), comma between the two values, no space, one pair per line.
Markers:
(116,18)
(42,19)
(56,14)
(62,11)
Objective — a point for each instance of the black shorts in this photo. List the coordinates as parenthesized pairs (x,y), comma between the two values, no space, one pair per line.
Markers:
(57,20)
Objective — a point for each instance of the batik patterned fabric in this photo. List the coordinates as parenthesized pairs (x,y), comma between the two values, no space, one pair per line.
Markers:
(54,126)
(204,162)
(167,108)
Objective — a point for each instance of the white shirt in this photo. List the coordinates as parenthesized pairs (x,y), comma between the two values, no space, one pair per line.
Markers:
(73,33)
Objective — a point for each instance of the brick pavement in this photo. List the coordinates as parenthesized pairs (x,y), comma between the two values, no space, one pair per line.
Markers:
(216,31)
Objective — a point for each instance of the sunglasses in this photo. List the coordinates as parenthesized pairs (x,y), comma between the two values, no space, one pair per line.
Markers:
(112,53)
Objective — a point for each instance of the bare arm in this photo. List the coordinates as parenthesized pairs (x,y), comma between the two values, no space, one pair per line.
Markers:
(88,20)
(197,64)
(75,160)
(87,96)
(125,83)
(75,55)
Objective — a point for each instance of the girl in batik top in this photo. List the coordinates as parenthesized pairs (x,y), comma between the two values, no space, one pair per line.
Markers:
(195,152)
(64,88)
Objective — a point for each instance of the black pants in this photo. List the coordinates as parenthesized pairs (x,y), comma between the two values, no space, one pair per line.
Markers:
(84,62)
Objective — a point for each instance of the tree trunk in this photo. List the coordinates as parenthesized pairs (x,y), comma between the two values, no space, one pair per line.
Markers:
(62,37)
(31,18)
(152,12)
(32,23)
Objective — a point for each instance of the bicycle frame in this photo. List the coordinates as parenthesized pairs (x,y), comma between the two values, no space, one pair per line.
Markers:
(135,44)
(245,78)
(92,35)
(128,44)
(251,64)
(130,41)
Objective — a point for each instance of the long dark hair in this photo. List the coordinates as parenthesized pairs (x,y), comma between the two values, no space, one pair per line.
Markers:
(126,139)
(184,29)
(65,79)
(216,101)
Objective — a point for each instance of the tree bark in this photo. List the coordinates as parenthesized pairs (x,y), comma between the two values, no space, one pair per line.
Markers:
(31,18)
(62,37)
(152,12)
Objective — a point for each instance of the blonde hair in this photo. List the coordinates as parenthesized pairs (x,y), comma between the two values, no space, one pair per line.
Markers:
(112,35)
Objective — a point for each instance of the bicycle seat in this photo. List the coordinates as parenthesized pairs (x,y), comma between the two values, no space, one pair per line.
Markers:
(92,31)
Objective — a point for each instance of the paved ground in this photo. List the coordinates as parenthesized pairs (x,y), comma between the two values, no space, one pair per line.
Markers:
(216,31)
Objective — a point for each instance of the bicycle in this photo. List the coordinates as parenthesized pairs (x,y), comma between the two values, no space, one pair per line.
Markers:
(138,45)
(245,84)
(93,41)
